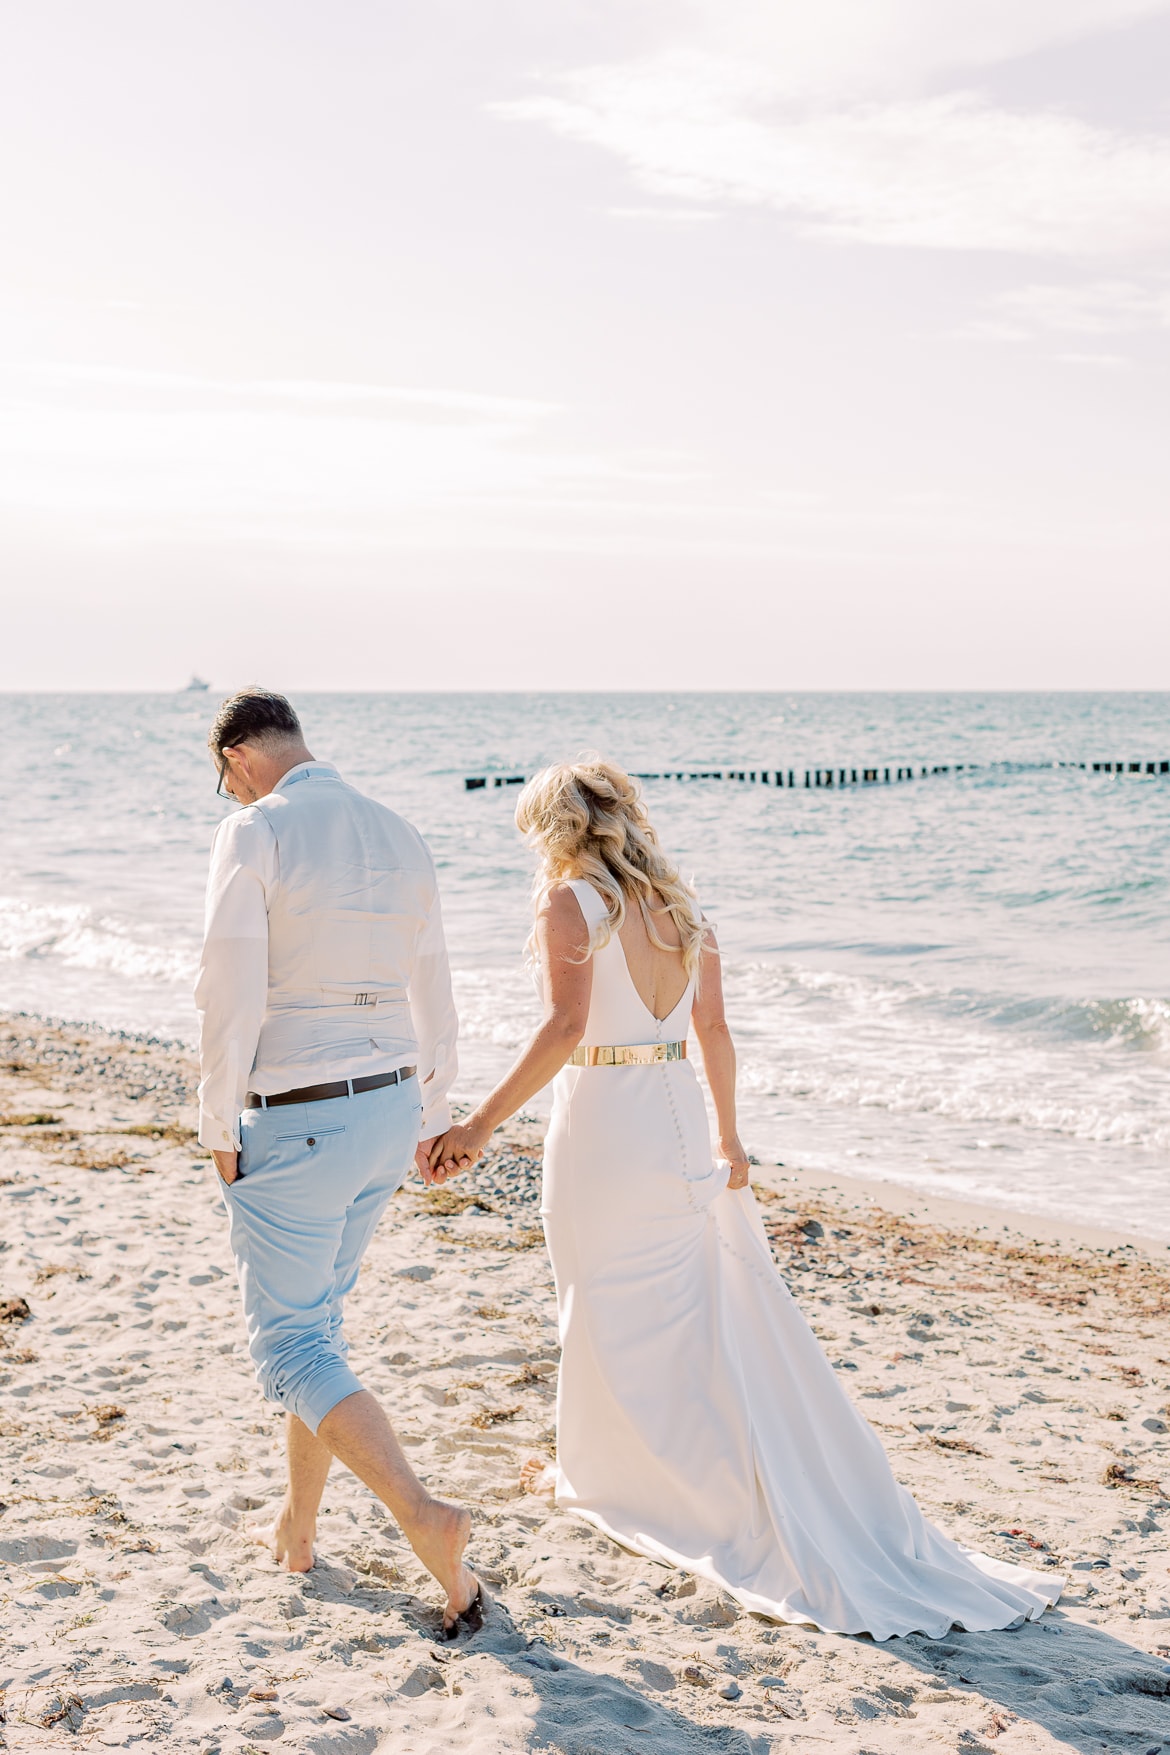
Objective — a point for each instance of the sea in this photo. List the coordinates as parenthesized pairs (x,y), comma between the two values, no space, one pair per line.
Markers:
(958,982)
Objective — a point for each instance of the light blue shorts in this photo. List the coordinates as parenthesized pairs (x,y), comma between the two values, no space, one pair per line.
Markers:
(315,1179)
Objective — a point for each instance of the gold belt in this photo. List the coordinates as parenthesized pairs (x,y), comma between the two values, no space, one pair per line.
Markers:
(640,1054)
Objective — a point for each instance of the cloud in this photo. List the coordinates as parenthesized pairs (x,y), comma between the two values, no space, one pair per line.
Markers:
(106,385)
(1109,360)
(120,455)
(1098,307)
(950,172)
(1039,311)
(665,215)
(843,50)
(117,459)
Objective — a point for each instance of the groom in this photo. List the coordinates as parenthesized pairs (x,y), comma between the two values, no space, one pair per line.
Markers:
(326,1048)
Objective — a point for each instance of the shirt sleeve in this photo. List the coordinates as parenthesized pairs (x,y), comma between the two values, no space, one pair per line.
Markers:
(231,991)
(436,1025)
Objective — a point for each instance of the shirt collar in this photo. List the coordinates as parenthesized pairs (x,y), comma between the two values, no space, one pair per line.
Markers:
(306,771)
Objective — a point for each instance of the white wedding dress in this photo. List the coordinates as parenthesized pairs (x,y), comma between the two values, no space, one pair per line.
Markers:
(698,1420)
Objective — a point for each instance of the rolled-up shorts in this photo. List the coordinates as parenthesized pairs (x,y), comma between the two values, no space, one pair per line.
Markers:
(314,1181)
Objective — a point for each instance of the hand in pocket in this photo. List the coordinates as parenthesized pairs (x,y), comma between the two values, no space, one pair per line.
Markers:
(228,1166)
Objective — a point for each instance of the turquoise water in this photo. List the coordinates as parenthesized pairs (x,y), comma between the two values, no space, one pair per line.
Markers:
(960,983)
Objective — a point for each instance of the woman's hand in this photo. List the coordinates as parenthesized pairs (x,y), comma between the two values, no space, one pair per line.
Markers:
(739,1161)
(459,1149)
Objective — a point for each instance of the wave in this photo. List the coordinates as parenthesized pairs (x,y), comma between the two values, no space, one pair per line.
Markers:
(1054,1066)
(991,1102)
(1137,1022)
(1131,1023)
(73,937)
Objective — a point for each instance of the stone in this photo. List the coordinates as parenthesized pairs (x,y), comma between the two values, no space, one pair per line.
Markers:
(422,1677)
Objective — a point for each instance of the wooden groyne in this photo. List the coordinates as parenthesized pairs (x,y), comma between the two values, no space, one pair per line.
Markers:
(886,774)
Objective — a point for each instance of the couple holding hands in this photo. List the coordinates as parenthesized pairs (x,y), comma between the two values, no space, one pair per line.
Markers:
(698,1421)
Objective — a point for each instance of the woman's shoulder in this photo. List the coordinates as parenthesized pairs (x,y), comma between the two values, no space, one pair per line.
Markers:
(578,894)
(564,923)
(573,908)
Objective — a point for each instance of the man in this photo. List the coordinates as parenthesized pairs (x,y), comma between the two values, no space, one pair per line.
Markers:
(327,1048)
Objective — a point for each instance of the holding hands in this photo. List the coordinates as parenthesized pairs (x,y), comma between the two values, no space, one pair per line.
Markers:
(458,1149)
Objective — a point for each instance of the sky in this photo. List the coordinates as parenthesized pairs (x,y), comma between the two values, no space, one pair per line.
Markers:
(599,344)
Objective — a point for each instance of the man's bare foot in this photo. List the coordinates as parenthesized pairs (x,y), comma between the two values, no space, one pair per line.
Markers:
(538,1475)
(290,1546)
(439,1539)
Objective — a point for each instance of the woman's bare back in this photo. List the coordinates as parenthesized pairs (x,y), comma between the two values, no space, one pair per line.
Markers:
(658,975)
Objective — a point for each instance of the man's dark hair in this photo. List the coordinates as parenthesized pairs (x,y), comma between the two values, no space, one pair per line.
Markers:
(252,715)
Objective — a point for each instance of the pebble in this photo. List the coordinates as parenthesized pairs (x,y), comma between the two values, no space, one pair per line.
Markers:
(133,1065)
(508,1178)
(730,1690)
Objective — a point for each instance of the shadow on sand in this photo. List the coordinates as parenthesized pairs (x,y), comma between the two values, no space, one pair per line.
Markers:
(514,1694)
(501,1693)
(1082,1685)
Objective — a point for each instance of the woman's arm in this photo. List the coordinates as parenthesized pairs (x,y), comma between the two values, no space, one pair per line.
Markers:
(562,940)
(718,1052)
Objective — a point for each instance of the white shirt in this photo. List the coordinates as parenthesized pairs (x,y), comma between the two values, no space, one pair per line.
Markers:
(323,953)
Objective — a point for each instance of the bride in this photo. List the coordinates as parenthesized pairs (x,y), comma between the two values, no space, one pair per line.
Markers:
(698,1420)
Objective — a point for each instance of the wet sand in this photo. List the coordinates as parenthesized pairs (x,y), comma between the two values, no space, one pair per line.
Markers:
(1019,1374)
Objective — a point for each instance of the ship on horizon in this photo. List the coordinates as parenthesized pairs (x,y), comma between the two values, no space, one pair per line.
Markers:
(196,686)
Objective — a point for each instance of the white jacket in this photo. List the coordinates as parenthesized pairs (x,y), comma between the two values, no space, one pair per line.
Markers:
(323,953)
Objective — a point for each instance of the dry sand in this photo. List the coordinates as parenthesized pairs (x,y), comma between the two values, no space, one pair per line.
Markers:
(1022,1388)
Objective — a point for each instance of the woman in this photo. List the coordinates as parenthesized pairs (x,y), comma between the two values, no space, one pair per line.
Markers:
(698,1421)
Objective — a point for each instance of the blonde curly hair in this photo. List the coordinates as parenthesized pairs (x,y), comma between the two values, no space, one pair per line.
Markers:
(586,819)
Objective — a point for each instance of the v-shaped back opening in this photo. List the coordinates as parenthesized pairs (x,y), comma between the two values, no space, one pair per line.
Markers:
(593,907)
(637,992)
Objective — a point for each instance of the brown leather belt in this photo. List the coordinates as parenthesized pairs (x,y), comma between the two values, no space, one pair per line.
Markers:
(322,1093)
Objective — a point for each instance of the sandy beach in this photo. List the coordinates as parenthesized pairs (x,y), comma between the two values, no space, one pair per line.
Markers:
(1019,1375)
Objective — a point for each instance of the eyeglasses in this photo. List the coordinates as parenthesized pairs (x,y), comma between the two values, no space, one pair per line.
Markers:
(223,773)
